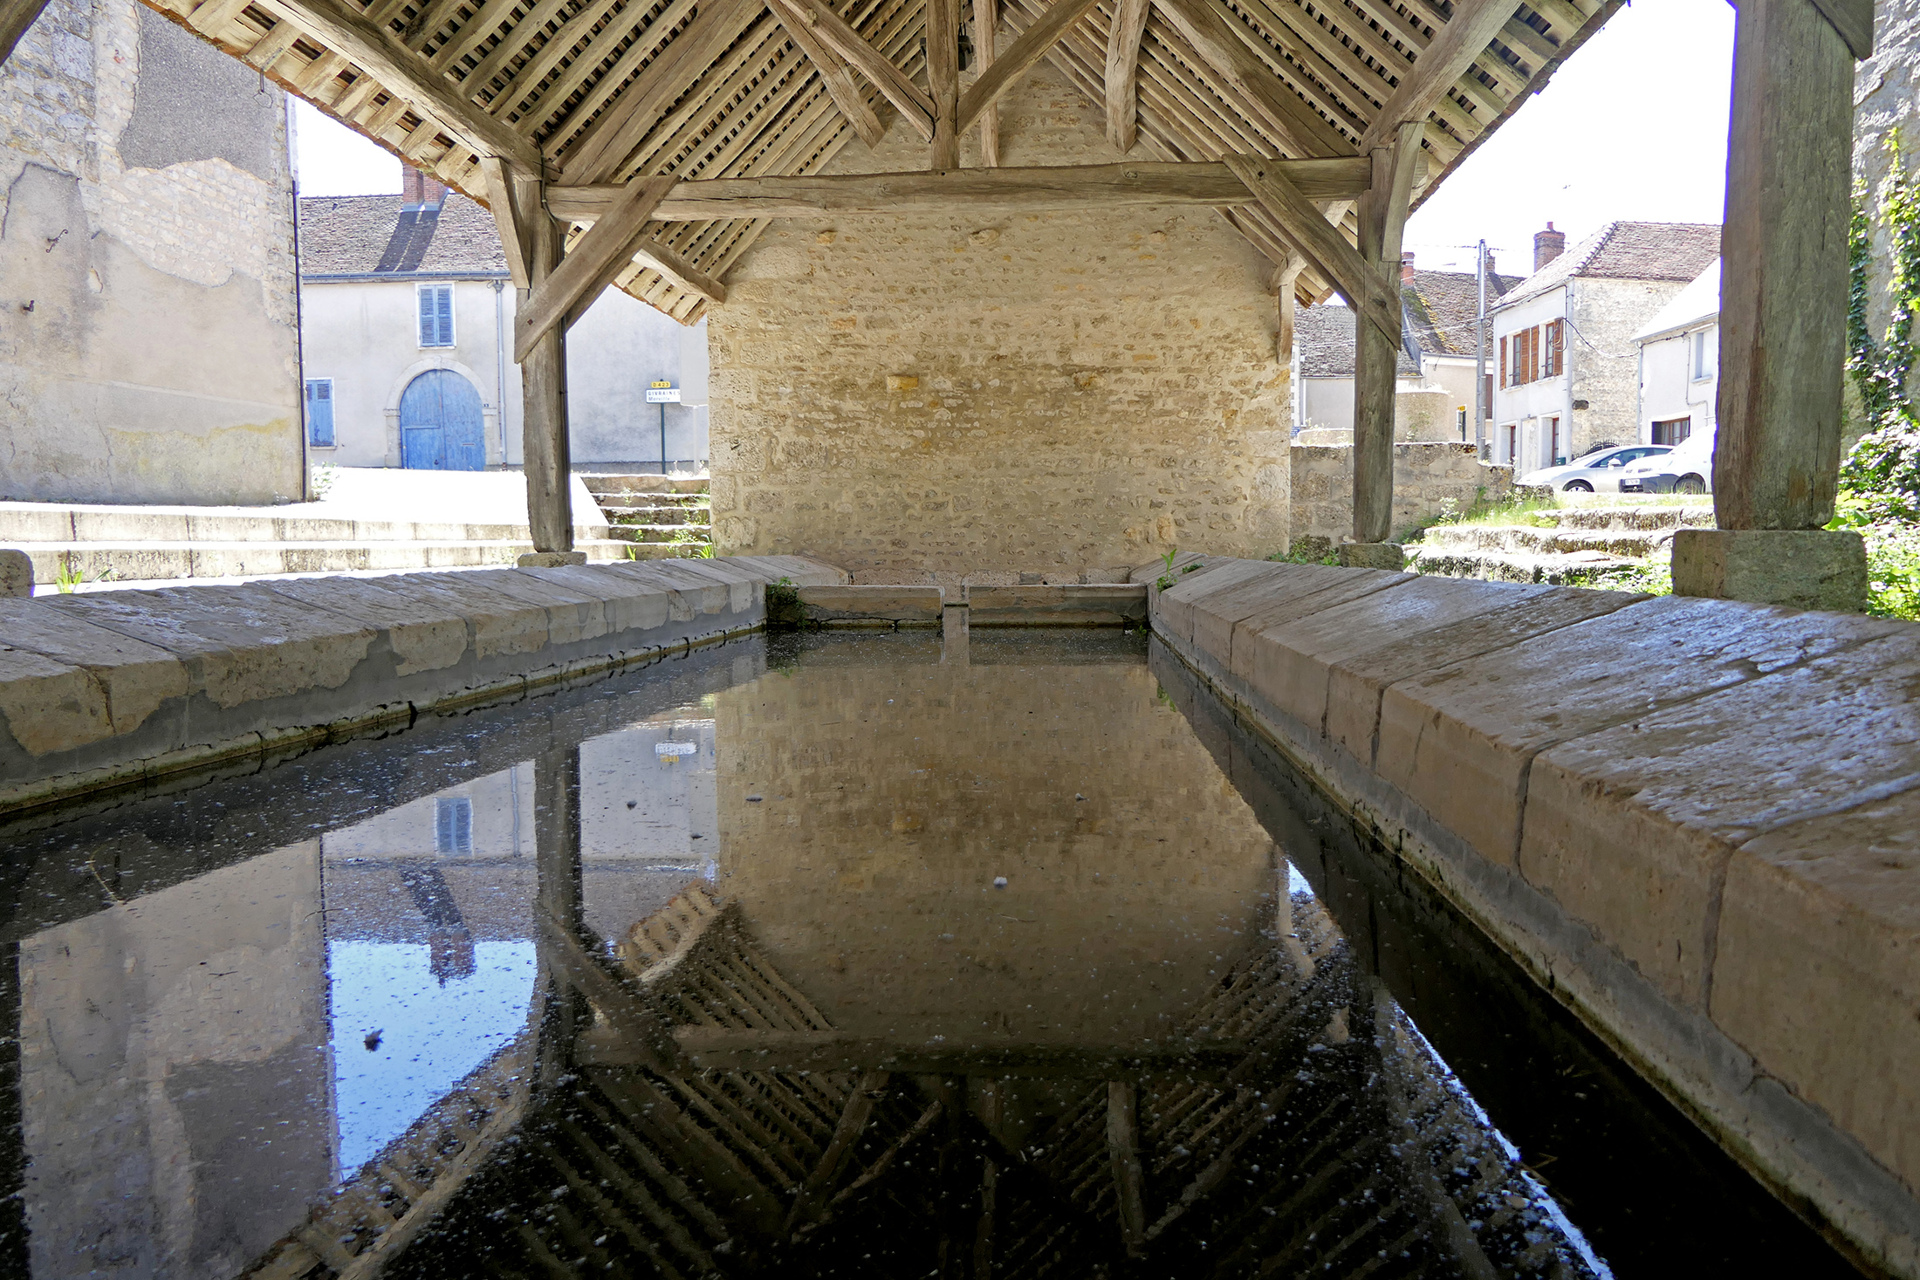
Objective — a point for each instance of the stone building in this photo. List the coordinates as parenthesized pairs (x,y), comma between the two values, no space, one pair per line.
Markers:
(407,317)
(1566,367)
(1054,393)
(146,266)
(1680,364)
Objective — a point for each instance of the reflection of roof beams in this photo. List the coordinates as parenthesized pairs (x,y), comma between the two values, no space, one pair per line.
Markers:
(757,1049)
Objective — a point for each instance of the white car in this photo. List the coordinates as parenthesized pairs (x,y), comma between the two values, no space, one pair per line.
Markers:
(1686,468)
(1599,471)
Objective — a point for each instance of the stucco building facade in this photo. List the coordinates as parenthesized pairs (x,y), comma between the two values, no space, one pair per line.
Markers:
(1680,364)
(147,267)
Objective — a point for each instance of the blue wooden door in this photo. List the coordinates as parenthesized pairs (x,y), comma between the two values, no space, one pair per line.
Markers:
(441,428)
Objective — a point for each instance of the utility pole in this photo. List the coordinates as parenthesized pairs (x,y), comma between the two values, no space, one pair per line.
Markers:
(1480,405)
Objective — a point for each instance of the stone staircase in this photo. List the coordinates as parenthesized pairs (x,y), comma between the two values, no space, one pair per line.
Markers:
(1569,545)
(656,516)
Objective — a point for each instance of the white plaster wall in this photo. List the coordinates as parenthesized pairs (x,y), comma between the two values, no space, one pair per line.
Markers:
(1530,405)
(1667,388)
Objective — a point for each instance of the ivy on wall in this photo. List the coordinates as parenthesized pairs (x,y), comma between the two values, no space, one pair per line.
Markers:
(1880,477)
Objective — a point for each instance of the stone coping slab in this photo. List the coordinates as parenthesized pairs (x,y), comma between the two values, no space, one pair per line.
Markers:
(1695,821)
(122,687)
(1064,605)
(866,606)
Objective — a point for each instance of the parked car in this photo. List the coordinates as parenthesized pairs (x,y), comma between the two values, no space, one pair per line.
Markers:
(1686,468)
(1597,472)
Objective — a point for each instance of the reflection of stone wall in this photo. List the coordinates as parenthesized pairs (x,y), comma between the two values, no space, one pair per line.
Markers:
(920,784)
(1061,393)
(174,1080)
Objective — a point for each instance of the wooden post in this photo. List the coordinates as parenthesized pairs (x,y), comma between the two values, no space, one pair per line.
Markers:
(545,447)
(943,77)
(1383,216)
(1783,316)
(986,21)
(1285,283)
(1123,1154)
(556,834)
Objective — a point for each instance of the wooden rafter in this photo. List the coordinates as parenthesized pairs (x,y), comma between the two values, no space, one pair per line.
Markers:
(907,98)
(833,73)
(678,271)
(986,36)
(980,190)
(1206,30)
(1318,242)
(1019,58)
(1123,67)
(1459,44)
(405,75)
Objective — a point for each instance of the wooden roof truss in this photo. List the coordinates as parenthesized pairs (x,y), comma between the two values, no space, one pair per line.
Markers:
(581,95)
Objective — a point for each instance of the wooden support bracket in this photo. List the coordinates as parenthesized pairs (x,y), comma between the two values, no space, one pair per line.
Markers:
(1464,38)
(1123,70)
(833,71)
(906,96)
(597,257)
(1316,240)
(1019,57)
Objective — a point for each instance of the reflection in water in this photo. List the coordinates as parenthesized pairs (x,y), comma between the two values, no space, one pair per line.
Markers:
(892,955)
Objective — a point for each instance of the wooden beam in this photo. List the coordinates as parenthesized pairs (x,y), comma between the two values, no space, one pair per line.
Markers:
(1853,19)
(753,1049)
(1279,107)
(641,1030)
(507,219)
(1286,285)
(811,1202)
(405,75)
(833,71)
(943,78)
(1022,190)
(1032,45)
(679,272)
(986,33)
(906,96)
(597,257)
(1474,25)
(1324,248)
(1376,353)
(1123,70)
(15,17)
(1123,1152)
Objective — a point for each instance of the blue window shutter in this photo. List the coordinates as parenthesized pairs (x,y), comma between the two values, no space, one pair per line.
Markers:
(443,312)
(320,412)
(426,317)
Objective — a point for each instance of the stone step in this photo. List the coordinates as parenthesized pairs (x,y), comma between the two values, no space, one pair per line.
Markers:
(1632,517)
(600,485)
(1570,568)
(690,534)
(658,515)
(173,561)
(1530,540)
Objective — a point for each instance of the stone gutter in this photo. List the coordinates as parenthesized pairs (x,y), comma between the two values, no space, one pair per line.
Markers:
(1695,822)
(127,687)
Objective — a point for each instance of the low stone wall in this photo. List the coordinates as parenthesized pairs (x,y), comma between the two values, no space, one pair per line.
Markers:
(1697,822)
(1425,476)
(118,687)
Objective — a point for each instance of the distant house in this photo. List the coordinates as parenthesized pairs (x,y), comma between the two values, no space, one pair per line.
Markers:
(1680,363)
(1438,315)
(407,331)
(1567,368)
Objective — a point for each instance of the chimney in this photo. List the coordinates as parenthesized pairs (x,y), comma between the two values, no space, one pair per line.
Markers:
(1406,268)
(1548,245)
(418,191)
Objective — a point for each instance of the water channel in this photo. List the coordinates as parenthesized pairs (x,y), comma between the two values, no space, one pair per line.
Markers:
(812,955)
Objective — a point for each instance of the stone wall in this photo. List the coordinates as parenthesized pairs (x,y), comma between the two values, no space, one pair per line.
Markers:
(147,265)
(1425,476)
(1886,97)
(1602,317)
(1061,394)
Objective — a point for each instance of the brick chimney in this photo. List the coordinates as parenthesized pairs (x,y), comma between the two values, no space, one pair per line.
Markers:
(418,191)
(1548,245)
(1406,268)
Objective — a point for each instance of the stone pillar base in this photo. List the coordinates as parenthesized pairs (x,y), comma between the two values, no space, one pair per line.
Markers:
(1799,568)
(16,573)
(551,559)
(1372,555)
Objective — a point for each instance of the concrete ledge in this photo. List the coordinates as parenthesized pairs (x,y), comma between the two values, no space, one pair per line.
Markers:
(1694,821)
(1115,605)
(127,686)
(864,606)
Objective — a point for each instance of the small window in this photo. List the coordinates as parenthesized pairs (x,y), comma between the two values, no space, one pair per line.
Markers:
(1672,431)
(453,825)
(320,413)
(1703,353)
(436,315)
(1556,348)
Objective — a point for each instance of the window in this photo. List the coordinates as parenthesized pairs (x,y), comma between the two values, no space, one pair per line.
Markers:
(436,315)
(453,825)
(1556,348)
(1702,353)
(1672,431)
(320,413)
(1503,365)
(1513,443)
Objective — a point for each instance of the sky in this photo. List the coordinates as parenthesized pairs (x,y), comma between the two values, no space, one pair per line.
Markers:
(1634,126)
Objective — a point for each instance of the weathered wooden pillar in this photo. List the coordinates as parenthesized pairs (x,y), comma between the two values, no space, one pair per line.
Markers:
(545,446)
(556,834)
(1376,353)
(943,77)
(1783,315)
(1286,279)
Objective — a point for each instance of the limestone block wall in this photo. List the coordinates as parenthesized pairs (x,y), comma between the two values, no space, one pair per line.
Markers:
(1695,821)
(1063,394)
(1886,101)
(1426,475)
(1603,315)
(146,267)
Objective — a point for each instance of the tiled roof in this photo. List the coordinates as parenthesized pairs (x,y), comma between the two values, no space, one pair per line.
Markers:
(1324,337)
(1629,251)
(1440,307)
(365,235)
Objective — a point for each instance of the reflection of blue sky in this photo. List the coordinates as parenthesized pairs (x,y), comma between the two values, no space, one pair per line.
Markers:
(430,1035)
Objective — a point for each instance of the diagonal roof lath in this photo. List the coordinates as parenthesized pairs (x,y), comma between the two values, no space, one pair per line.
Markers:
(602,91)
